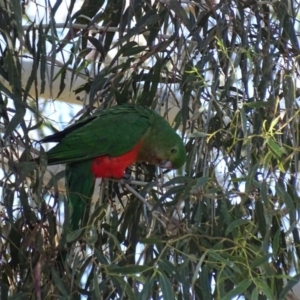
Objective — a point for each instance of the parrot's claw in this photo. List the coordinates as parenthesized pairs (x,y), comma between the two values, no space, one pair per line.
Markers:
(126,179)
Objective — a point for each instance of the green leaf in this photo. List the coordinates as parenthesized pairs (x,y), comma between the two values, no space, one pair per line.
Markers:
(265,289)
(200,182)
(234,224)
(275,148)
(258,262)
(151,240)
(215,257)
(166,287)
(287,199)
(133,50)
(198,135)
(267,159)
(170,269)
(98,214)
(259,104)
(147,289)
(178,180)
(100,257)
(180,12)
(205,282)
(23,169)
(29,214)
(98,45)
(238,290)
(254,294)
(15,121)
(59,283)
(55,178)
(19,296)
(126,270)
(174,190)
(146,20)
(75,235)
(275,244)
(97,290)
(125,288)
(288,287)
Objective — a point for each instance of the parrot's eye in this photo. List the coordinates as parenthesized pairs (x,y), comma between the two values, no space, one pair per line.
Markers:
(173,150)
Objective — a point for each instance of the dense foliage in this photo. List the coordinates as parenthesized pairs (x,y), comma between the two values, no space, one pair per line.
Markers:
(225,226)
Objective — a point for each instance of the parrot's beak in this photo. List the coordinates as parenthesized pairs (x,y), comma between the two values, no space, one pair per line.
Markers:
(166,164)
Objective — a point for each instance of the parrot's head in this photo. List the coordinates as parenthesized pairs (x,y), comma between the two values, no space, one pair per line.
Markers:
(171,154)
(162,146)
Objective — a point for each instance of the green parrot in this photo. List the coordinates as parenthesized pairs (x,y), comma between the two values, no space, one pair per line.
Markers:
(108,142)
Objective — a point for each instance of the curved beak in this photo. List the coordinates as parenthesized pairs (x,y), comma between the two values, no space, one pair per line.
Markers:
(166,164)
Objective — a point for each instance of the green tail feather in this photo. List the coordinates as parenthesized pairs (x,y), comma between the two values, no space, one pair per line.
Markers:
(80,184)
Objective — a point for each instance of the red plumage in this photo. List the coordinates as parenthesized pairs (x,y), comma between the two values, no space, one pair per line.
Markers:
(114,167)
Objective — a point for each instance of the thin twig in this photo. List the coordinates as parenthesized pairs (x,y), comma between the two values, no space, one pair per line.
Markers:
(133,182)
(133,191)
(155,213)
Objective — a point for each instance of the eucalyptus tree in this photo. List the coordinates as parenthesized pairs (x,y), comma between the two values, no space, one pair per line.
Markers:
(225,75)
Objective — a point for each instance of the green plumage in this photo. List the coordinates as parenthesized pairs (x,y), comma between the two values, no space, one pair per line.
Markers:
(111,132)
(80,184)
(115,131)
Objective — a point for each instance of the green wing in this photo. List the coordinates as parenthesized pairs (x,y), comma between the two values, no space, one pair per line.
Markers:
(113,131)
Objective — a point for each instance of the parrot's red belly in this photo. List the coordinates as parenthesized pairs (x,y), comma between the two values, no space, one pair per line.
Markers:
(114,167)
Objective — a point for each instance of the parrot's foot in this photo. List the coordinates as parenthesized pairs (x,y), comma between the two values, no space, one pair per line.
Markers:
(126,179)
